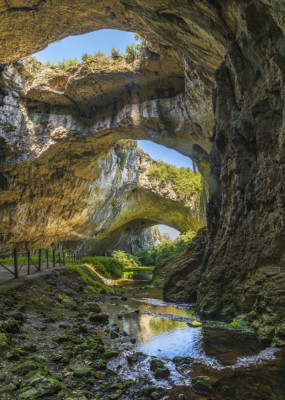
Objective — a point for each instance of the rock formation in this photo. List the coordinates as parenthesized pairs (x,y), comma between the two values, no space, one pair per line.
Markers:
(232,55)
(96,203)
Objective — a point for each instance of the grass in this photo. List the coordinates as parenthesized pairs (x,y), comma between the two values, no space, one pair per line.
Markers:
(88,275)
(106,266)
(130,269)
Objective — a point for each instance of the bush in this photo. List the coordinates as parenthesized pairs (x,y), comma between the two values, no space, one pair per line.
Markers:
(125,259)
(99,54)
(64,64)
(86,57)
(131,51)
(162,251)
(115,53)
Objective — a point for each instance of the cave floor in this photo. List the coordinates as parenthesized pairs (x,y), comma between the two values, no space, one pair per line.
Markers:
(59,341)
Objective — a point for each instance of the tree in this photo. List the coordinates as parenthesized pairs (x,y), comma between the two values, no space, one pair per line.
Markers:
(115,53)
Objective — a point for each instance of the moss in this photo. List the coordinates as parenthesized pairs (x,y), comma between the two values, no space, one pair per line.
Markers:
(202,383)
(88,276)
(162,373)
(106,266)
(196,323)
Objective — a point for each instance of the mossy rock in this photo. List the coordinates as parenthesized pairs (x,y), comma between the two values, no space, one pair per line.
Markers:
(11,326)
(202,383)
(183,360)
(80,370)
(5,341)
(89,306)
(110,353)
(99,365)
(98,318)
(156,363)
(8,388)
(161,372)
(37,384)
(27,367)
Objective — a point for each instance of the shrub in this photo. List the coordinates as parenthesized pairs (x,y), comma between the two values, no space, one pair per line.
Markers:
(67,63)
(115,53)
(123,158)
(86,57)
(99,54)
(162,251)
(131,51)
(125,259)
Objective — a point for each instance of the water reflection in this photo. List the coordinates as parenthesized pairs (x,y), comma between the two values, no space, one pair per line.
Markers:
(161,329)
(161,337)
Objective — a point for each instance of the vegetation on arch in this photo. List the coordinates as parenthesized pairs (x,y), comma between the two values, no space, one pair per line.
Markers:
(132,51)
(186,183)
(161,251)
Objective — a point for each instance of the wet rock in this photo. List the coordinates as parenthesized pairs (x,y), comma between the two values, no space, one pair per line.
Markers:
(114,335)
(182,360)
(99,318)
(38,384)
(31,348)
(11,387)
(161,372)
(27,367)
(156,363)
(90,307)
(5,341)
(202,384)
(11,326)
(99,365)
(81,370)
(110,353)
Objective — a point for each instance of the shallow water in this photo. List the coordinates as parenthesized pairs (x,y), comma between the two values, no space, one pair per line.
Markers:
(147,324)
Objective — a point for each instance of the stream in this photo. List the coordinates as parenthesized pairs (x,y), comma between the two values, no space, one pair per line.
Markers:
(143,326)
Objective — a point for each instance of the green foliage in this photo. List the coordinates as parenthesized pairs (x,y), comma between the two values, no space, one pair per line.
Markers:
(187,183)
(161,251)
(86,57)
(138,37)
(123,158)
(115,53)
(125,259)
(64,64)
(131,51)
(90,278)
(106,266)
(99,54)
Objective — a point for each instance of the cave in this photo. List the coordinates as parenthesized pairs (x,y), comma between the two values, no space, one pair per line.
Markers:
(210,84)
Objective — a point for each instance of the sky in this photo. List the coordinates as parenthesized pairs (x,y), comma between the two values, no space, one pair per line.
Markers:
(74,46)
(103,40)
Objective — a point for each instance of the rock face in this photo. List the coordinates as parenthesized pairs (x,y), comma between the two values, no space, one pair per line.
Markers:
(97,203)
(233,49)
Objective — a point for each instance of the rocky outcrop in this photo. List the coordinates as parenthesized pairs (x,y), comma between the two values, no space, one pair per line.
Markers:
(233,49)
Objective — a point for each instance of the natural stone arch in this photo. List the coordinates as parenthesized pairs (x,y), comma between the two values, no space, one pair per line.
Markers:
(76,195)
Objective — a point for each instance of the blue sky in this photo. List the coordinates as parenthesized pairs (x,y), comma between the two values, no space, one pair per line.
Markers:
(75,46)
(104,40)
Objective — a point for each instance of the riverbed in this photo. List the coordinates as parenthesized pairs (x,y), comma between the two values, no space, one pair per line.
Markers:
(142,326)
